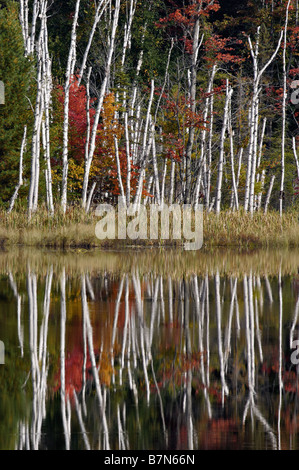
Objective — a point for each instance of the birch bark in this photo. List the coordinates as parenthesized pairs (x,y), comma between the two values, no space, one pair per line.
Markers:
(68,81)
(254,117)
(99,12)
(269,194)
(229,92)
(193,75)
(202,160)
(296,156)
(20,183)
(92,146)
(284,99)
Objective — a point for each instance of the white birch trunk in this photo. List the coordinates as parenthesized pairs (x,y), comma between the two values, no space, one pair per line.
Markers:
(284,99)
(231,138)
(260,177)
(35,149)
(202,159)
(172,181)
(249,160)
(259,197)
(119,176)
(69,75)
(20,183)
(47,89)
(90,196)
(99,12)
(156,172)
(86,150)
(254,116)
(128,29)
(163,182)
(239,165)
(146,146)
(210,151)
(296,156)
(269,194)
(192,94)
(229,92)
(100,103)
(255,106)
(128,187)
(29,32)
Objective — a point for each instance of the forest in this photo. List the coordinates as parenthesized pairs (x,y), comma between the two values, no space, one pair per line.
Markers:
(164,101)
(131,343)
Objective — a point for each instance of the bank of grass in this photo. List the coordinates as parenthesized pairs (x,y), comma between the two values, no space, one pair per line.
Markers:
(76,229)
(246,230)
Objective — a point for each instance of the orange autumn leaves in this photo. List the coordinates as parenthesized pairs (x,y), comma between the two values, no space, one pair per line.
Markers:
(103,169)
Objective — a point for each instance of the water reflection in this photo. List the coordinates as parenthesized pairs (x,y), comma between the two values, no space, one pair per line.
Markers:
(101,360)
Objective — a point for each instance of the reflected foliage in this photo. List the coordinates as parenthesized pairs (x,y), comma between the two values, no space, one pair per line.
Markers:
(129,360)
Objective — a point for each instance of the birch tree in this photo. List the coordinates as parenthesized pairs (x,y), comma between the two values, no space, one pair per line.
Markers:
(20,182)
(284,99)
(203,160)
(68,80)
(229,92)
(102,92)
(197,41)
(38,115)
(29,27)
(41,127)
(254,117)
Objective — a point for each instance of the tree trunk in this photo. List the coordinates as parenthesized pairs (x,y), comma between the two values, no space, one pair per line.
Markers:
(202,159)
(69,76)
(229,92)
(20,183)
(269,193)
(254,116)
(35,149)
(192,96)
(296,156)
(284,99)
(100,104)
(100,10)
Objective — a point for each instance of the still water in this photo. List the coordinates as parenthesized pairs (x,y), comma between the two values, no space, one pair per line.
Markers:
(149,350)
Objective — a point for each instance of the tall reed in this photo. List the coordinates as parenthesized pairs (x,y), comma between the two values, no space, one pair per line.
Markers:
(75,228)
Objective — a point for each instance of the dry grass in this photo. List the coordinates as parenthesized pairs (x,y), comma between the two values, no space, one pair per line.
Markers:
(77,229)
(243,230)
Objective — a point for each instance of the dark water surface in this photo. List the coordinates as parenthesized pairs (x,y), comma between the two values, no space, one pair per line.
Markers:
(149,350)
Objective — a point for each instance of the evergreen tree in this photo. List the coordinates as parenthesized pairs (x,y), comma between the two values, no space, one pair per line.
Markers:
(16,74)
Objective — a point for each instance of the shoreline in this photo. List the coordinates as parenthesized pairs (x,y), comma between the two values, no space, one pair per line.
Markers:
(76,230)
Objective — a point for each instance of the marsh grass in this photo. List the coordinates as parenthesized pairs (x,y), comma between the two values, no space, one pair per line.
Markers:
(257,230)
(76,229)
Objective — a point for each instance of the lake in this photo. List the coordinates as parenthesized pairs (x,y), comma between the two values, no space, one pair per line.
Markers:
(149,350)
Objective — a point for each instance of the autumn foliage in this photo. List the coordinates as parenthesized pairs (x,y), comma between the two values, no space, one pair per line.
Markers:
(104,169)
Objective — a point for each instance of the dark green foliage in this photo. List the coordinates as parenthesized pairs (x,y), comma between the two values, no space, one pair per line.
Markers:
(16,73)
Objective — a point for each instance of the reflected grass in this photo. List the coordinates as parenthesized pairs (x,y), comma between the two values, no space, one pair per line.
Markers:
(175,263)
